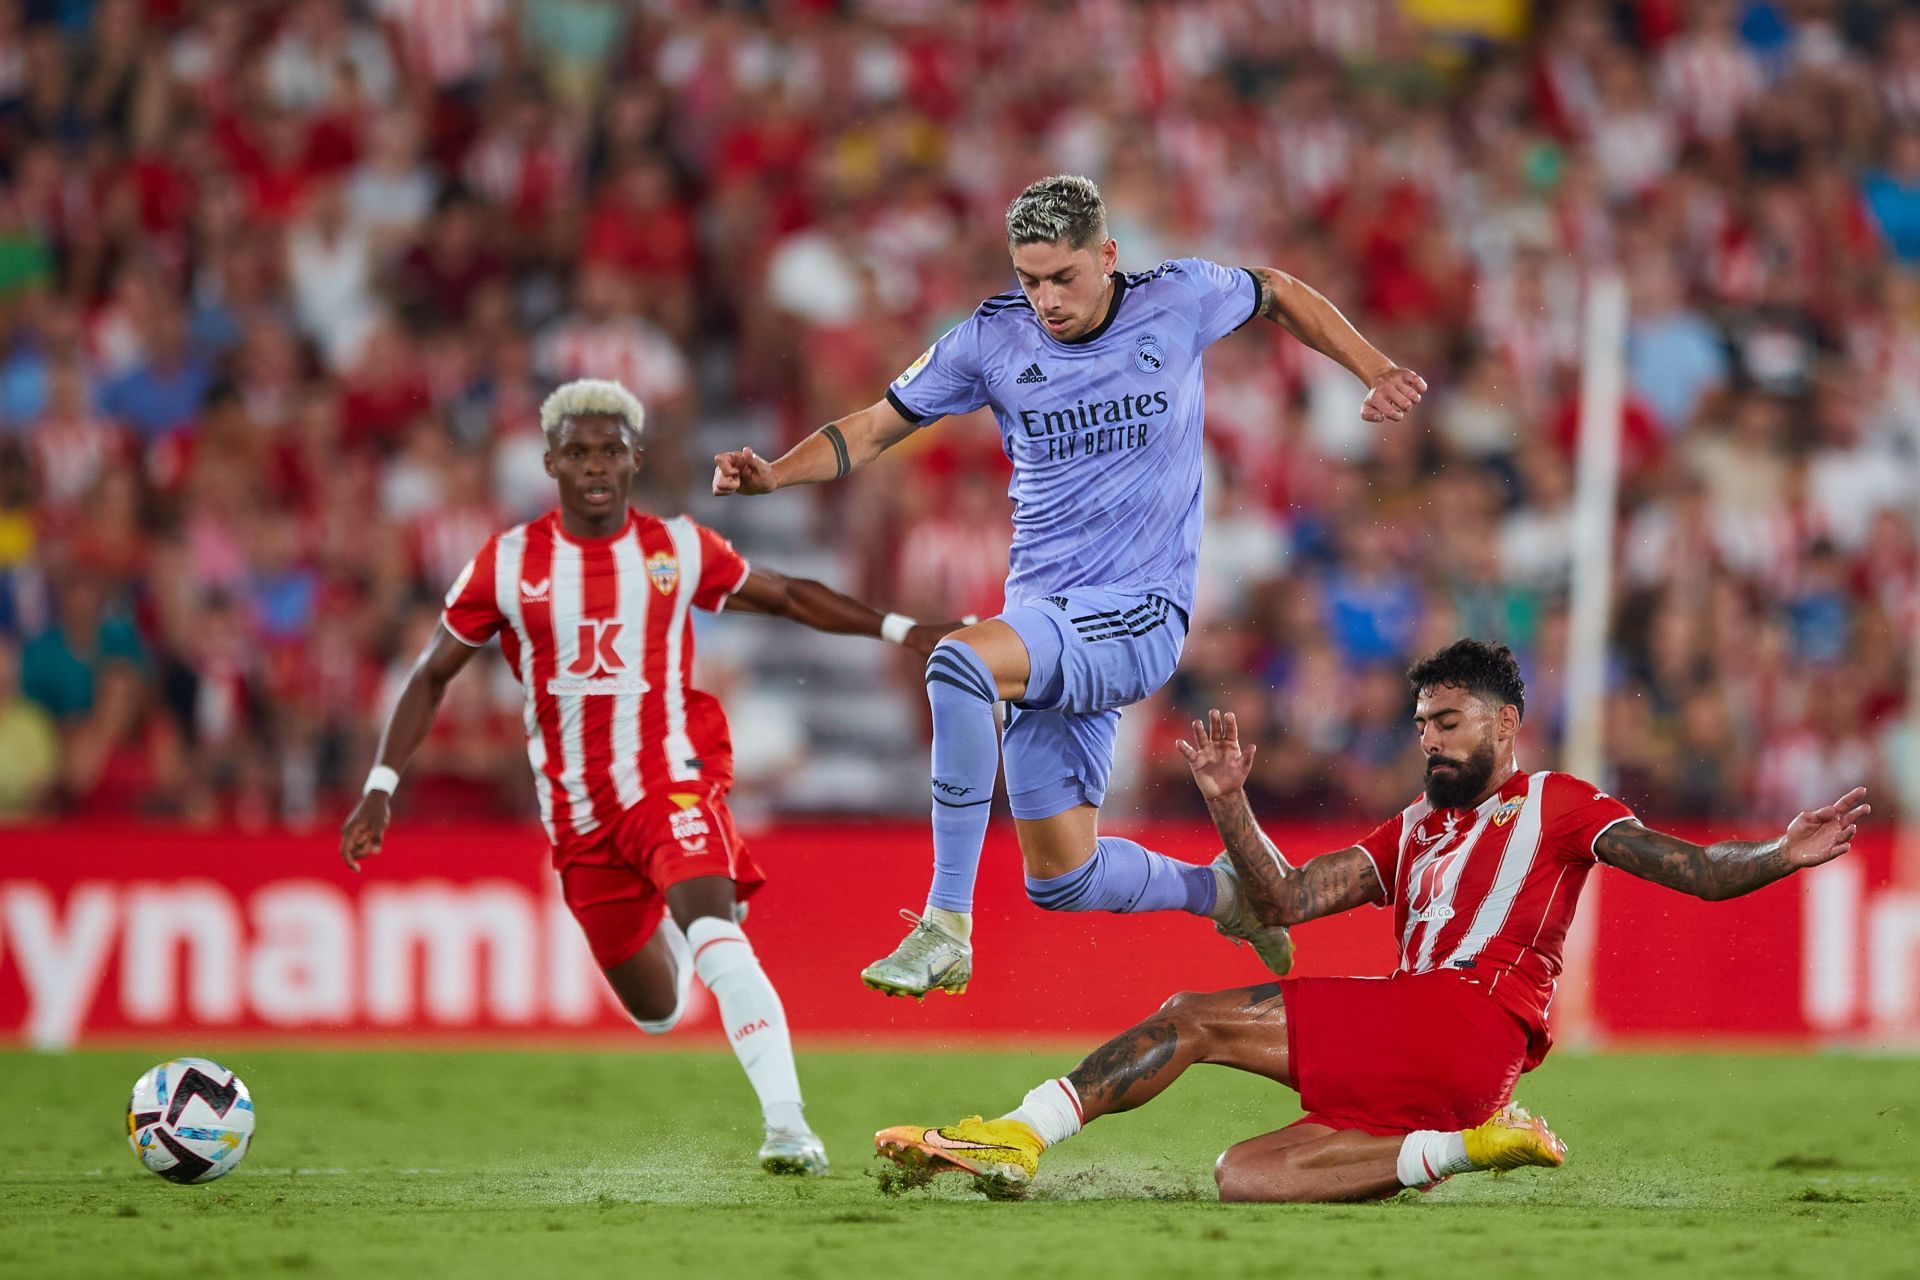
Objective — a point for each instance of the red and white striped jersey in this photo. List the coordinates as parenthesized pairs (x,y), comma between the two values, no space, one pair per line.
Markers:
(598,632)
(1489,892)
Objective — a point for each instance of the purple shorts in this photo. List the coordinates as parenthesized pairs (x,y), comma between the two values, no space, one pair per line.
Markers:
(1092,652)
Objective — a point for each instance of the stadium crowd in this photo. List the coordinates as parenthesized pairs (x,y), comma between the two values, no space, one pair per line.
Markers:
(282,285)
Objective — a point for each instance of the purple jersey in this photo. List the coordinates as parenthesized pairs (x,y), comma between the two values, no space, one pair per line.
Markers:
(1104,432)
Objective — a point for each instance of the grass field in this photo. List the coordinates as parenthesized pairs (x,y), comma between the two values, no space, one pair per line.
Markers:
(511,1164)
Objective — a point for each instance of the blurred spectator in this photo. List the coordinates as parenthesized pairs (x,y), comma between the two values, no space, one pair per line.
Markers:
(160,393)
(330,272)
(61,667)
(319,38)
(392,189)
(1893,195)
(1674,357)
(29,746)
(282,286)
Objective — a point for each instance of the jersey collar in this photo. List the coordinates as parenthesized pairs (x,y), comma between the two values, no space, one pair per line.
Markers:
(560,530)
(1512,787)
(1093,335)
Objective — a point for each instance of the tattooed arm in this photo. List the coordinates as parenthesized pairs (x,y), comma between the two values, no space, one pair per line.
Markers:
(1729,868)
(1279,893)
(1300,309)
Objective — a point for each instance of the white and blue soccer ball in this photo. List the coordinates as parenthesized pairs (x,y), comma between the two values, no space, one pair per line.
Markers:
(190,1120)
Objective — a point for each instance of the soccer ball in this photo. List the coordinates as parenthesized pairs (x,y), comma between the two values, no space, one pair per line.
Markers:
(190,1120)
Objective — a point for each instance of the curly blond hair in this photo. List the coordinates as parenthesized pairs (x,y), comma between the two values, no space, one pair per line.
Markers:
(584,397)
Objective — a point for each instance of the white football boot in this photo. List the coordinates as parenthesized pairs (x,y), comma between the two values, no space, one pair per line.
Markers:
(927,959)
(1270,942)
(796,1151)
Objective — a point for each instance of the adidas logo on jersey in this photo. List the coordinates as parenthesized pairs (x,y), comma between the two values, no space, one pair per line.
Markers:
(1031,374)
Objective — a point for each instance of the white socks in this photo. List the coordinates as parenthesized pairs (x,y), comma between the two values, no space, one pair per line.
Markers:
(751,1015)
(1430,1155)
(957,923)
(1223,903)
(1051,1110)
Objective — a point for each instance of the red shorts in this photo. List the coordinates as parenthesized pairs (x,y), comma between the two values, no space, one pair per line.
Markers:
(1392,1055)
(616,885)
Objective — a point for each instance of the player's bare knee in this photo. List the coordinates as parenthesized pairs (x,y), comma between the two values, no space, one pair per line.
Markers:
(652,1014)
(1184,1006)
(660,1026)
(1186,1013)
(1230,1177)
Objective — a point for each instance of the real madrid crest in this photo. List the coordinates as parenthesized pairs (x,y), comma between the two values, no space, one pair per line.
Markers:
(1148,357)
(664,571)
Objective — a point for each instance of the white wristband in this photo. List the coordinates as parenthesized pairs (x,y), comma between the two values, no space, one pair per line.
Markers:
(381,778)
(894,628)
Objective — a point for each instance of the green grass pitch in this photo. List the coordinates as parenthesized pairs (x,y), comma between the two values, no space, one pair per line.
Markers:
(591,1164)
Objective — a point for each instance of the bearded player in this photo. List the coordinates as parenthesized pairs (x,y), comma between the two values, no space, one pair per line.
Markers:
(1095,378)
(591,603)
(1406,1080)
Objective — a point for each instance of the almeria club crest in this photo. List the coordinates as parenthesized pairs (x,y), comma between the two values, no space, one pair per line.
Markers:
(664,571)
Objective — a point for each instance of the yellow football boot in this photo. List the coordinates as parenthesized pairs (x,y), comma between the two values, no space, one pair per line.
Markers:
(1514,1138)
(1002,1155)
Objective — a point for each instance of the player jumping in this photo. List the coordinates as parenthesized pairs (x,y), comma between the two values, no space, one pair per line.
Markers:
(591,603)
(1406,1080)
(1095,378)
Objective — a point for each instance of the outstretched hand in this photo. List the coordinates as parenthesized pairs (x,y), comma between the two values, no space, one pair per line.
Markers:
(1220,765)
(365,827)
(1393,395)
(1821,835)
(744,472)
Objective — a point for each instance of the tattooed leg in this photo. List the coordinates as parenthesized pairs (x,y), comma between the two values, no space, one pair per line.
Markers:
(1245,1028)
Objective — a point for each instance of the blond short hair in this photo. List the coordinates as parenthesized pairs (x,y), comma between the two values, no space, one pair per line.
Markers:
(1064,209)
(588,397)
